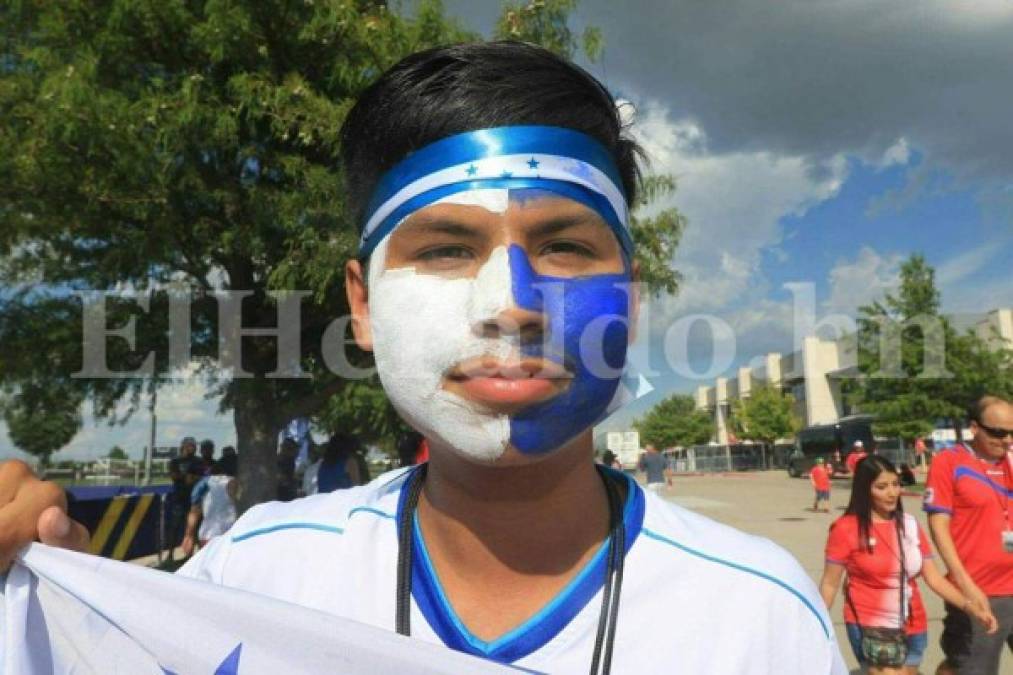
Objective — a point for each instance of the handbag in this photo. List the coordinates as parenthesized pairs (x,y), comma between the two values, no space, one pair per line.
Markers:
(885,647)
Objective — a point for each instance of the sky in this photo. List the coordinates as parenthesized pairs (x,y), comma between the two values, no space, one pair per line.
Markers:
(813,142)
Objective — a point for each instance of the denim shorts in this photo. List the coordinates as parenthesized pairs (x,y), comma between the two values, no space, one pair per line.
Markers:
(823,495)
(916,645)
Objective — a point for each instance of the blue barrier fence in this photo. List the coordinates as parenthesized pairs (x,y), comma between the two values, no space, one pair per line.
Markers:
(125,521)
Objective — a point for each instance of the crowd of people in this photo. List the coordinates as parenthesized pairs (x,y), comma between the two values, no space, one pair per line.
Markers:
(879,551)
(203,501)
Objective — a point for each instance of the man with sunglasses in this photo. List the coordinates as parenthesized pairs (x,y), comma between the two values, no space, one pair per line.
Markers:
(967,499)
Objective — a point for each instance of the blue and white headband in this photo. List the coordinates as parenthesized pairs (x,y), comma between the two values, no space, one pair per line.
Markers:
(556,159)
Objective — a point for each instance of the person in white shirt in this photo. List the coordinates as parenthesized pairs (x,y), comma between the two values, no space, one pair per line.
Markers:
(495,285)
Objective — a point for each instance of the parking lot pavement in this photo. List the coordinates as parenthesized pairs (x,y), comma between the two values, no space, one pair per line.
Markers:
(772,505)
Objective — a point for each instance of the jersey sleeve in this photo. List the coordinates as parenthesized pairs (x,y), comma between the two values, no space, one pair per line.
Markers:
(199,490)
(939,486)
(840,542)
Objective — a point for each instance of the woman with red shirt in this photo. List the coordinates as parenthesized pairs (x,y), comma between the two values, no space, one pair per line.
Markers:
(870,542)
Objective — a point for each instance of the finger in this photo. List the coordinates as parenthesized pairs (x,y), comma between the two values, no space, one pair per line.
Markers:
(19,517)
(57,529)
(13,474)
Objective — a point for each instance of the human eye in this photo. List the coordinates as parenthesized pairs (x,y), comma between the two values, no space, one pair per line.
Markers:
(445,252)
(567,247)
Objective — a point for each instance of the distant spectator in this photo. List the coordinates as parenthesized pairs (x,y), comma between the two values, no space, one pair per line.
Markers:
(229,460)
(820,478)
(287,484)
(907,476)
(408,447)
(207,455)
(610,460)
(213,505)
(655,465)
(856,455)
(337,469)
(185,470)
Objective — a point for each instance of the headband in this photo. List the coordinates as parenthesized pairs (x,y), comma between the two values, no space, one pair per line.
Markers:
(560,160)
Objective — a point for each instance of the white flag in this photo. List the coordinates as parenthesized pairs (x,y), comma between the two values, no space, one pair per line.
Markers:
(66,612)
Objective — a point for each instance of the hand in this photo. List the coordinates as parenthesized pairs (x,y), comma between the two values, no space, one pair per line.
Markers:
(188,545)
(32,509)
(985,617)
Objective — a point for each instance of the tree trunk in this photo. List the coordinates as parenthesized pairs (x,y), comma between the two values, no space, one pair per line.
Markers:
(257,446)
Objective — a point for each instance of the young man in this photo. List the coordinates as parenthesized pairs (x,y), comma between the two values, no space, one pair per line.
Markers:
(967,497)
(655,466)
(184,470)
(820,478)
(492,182)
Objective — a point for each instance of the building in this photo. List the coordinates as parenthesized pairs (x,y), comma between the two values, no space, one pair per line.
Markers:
(813,374)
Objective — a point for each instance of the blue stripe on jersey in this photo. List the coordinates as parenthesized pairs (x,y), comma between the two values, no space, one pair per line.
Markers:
(287,526)
(537,631)
(971,473)
(742,568)
(370,509)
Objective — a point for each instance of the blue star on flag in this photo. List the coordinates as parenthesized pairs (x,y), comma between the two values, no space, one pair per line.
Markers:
(471,170)
(533,163)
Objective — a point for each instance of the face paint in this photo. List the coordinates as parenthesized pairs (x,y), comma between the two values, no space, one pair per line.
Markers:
(424,325)
(571,305)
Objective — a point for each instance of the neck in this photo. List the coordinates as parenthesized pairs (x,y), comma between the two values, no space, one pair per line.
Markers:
(540,518)
(881,516)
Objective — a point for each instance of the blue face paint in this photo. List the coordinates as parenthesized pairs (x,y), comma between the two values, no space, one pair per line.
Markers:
(569,306)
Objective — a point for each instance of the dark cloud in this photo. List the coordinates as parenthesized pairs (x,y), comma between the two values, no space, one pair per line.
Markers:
(818,77)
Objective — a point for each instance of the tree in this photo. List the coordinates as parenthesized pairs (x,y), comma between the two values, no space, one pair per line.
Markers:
(675,421)
(765,415)
(915,368)
(116,452)
(175,150)
(42,419)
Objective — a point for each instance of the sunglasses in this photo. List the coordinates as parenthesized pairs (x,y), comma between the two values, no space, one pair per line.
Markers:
(996,432)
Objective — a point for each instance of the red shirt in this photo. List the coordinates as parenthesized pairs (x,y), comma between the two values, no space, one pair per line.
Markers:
(873,576)
(854,458)
(820,478)
(976,493)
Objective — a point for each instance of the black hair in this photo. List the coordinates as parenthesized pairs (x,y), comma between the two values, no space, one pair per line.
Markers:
(340,446)
(450,90)
(207,444)
(860,504)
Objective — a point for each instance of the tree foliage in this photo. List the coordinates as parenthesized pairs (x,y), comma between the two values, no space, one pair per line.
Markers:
(916,369)
(675,421)
(166,147)
(766,415)
(116,452)
(41,419)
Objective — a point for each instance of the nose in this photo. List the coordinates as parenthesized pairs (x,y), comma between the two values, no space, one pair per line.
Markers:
(525,324)
(495,310)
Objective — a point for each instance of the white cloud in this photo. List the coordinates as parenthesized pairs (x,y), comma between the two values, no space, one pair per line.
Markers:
(734,202)
(860,281)
(966,264)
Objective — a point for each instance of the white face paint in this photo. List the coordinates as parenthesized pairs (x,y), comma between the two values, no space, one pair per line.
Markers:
(423,325)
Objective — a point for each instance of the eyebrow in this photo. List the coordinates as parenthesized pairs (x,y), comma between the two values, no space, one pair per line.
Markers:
(443,225)
(562,223)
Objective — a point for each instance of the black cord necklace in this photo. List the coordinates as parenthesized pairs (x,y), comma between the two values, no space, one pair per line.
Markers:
(607,617)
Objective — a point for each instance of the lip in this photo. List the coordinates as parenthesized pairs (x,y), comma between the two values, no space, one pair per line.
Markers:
(508,384)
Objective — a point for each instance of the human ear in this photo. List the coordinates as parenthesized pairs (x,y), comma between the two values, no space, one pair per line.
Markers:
(358,302)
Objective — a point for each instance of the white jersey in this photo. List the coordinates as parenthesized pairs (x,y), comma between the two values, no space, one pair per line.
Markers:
(218,508)
(697,596)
